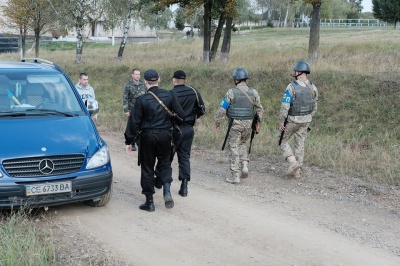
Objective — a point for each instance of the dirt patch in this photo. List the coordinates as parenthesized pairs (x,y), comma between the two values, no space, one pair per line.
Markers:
(320,219)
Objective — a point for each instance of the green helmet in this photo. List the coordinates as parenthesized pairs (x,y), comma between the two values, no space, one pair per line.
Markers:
(302,66)
(240,74)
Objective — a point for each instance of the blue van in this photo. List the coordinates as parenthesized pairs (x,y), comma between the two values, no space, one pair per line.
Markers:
(50,150)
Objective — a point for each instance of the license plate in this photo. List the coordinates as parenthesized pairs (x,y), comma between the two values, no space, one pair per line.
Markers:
(48,188)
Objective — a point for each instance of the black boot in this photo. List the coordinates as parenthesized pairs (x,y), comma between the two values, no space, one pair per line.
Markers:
(169,202)
(184,190)
(149,205)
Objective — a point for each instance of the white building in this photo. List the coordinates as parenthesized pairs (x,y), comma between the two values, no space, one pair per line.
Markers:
(136,29)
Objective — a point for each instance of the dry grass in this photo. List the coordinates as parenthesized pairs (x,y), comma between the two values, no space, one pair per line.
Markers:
(356,130)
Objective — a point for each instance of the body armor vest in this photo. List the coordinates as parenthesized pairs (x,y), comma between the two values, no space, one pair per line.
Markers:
(241,108)
(303,100)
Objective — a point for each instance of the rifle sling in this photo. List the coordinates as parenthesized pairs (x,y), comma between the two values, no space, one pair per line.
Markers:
(248,97)
(197,97)
(162,104)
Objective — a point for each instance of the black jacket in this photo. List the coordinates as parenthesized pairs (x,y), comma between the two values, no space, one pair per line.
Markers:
(187,99)
(150,114)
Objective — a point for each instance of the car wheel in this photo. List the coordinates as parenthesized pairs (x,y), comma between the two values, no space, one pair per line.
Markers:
(102,201)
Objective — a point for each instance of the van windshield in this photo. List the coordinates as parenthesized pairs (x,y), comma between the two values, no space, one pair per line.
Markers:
(22,92)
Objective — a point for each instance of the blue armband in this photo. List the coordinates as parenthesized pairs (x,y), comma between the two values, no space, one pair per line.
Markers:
(287,98)
(224,104)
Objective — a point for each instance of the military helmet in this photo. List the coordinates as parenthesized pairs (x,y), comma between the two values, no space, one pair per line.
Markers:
(302,66)
(240,74)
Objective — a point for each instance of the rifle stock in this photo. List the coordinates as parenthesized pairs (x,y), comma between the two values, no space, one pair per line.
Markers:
(227,133)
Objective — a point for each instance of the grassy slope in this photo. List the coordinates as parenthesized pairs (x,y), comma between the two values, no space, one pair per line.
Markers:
(356,129)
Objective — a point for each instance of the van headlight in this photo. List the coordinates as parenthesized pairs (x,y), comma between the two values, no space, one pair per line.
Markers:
(100,158)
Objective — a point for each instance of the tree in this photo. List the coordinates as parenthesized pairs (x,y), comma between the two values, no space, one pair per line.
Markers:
(127,21)
(226,43)
(114,13)
(180,18)
(40,17)
(387,10)
(77,14)
(212,9)
(16,11)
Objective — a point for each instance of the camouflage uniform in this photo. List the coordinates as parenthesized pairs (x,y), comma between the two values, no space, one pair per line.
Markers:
(241,129)
(132,90)
(296,126)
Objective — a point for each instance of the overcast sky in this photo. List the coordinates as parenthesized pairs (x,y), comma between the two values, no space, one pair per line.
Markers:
(367,5)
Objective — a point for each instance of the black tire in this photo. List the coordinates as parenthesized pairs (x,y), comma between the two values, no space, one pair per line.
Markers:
(102,202)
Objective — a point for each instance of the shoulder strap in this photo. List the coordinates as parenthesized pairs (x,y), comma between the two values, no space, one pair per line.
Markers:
(248,97)
(311,89)
(195,92)
(163,105)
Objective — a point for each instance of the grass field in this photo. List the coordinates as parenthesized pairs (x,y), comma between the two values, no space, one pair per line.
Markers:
(356,130)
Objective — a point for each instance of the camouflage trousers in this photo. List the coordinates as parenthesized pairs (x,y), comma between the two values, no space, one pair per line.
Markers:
(238,136)
(299,131)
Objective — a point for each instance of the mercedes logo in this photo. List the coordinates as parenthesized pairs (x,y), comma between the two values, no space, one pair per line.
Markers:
(46,166)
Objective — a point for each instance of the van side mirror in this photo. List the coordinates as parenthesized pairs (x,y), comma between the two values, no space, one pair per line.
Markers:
(92,106)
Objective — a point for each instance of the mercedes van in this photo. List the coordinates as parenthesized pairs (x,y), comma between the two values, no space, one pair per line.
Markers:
(50,150)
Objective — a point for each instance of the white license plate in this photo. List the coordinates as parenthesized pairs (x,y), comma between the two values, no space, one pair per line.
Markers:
(48,188)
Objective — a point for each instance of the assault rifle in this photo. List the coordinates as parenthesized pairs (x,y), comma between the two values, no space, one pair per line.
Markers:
(282,133)
(255,128)
(176,134)
(227,133)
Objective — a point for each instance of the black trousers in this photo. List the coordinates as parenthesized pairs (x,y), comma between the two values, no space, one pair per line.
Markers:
(183,147)
(155,145)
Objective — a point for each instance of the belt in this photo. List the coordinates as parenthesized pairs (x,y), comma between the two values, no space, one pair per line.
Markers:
(156,130)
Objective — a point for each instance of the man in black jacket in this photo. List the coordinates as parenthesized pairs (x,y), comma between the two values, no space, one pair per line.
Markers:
(151,125)
(192,103)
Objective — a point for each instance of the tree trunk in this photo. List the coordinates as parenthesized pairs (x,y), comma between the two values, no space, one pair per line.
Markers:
(226,43)
(287,14)
(207,31)
(217,37)
(37,40)
(79,41)
(313,44)
(124,37)
(23,42)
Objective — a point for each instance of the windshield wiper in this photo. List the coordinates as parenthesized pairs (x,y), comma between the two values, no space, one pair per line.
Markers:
(51,112)
(11,114)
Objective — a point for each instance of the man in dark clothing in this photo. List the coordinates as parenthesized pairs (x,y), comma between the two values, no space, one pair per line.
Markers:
(190,100)
(151,125)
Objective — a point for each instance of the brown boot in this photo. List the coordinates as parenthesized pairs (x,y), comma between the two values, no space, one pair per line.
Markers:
(245,170)
(293,165)
(234,179)
(297,174)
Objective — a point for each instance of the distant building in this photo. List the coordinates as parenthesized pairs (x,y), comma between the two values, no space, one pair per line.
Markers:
(97,31)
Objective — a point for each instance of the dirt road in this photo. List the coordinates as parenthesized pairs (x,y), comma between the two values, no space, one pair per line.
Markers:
(321,219)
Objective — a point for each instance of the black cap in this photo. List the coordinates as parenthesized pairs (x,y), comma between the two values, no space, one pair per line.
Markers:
(179,74)
(150,75)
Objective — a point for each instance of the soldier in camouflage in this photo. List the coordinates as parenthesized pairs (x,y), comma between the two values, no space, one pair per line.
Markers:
(299,104)
(240,103)
(132,90)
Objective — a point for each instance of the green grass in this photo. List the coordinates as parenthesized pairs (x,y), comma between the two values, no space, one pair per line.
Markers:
(355,131)
(22,242)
